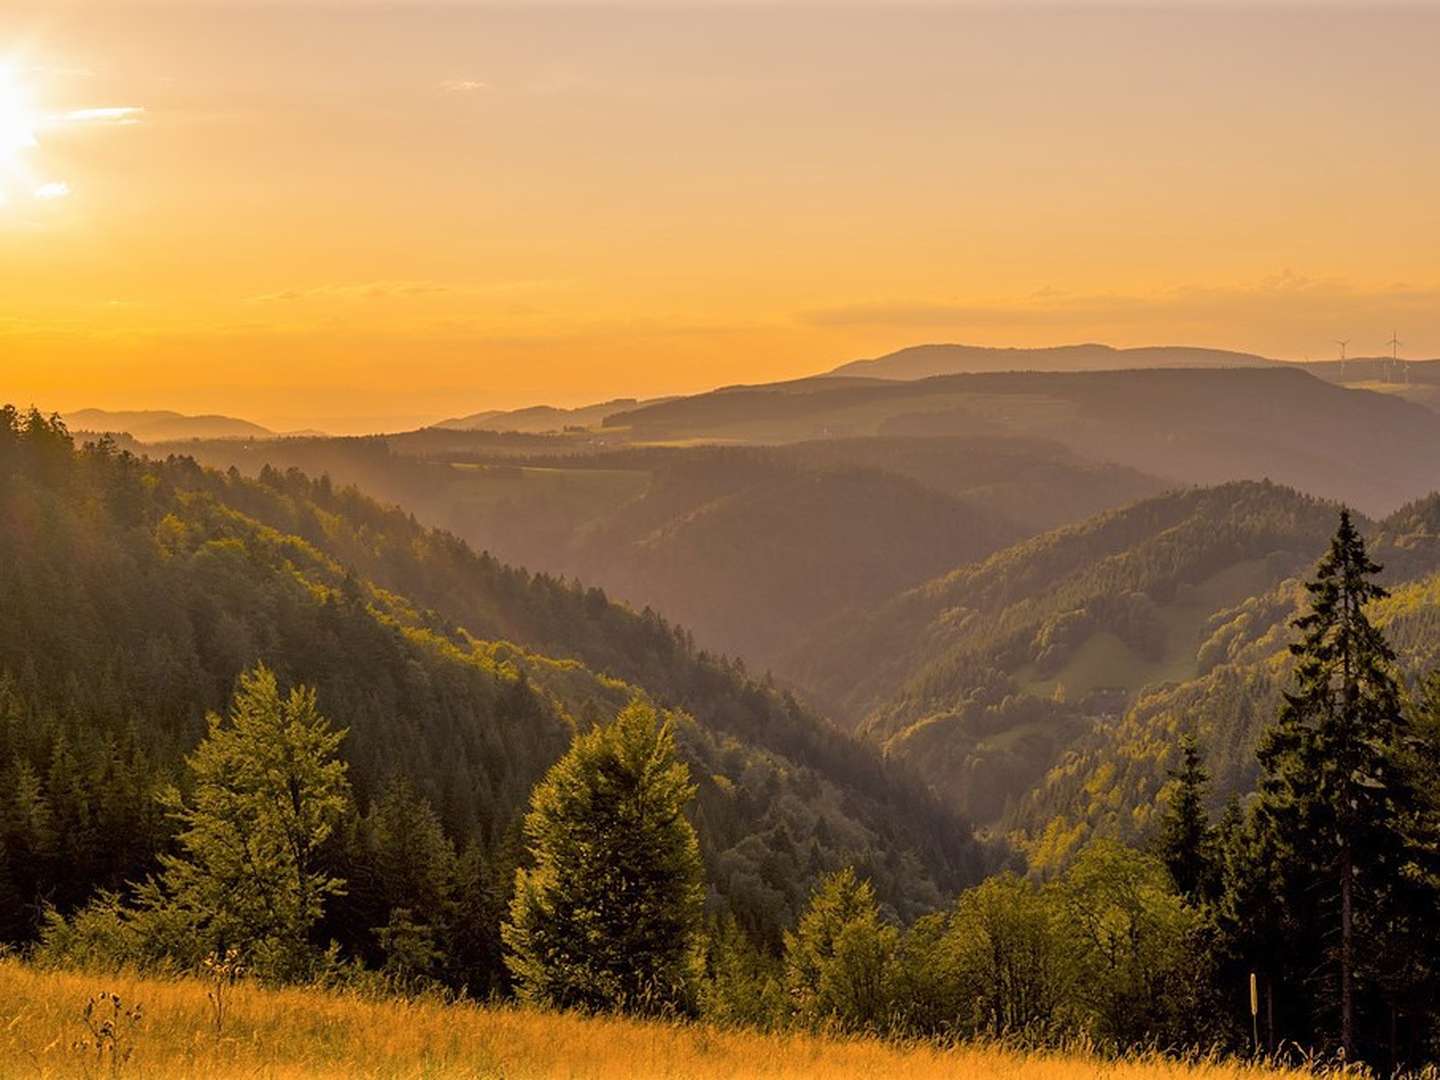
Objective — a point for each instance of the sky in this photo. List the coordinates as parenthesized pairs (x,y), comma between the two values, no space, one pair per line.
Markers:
(365,216)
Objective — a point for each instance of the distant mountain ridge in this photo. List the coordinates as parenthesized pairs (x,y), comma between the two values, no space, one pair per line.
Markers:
(162,425)
(536,419)
(1185,425)
(924,361)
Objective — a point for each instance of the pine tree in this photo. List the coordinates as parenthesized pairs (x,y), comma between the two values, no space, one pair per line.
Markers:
(1186,840)
(27,842)
(1336,791)
(609,917)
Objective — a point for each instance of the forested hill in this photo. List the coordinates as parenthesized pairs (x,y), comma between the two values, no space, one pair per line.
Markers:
(132,593)
(983,678)
(749,547)
(1113,777)
(1194,426)
(1045,689)
(1035,609)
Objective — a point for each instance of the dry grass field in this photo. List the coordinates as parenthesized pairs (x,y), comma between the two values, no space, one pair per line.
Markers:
(307,1033)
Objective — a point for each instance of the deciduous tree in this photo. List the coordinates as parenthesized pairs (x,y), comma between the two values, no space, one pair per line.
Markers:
(608,916)
(268,790)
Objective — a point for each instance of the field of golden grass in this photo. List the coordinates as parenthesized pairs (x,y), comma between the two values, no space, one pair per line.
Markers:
(311,1033)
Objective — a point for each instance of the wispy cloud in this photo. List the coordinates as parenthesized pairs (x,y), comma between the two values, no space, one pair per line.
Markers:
(55,189)
(112,114)
(463,86)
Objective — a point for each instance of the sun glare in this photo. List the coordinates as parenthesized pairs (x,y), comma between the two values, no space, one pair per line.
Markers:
(25,178)
(17,121)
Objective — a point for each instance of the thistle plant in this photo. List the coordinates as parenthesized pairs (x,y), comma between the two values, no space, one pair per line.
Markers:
(223,970)
(109,1040)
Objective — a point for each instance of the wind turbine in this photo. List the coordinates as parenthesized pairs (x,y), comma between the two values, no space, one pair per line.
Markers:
(1395,344)
(1342,345)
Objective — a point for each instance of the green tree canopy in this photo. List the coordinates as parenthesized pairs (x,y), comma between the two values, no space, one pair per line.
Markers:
(839,958)
(268,791)
(1132,935)
(1012,956)
(609,917)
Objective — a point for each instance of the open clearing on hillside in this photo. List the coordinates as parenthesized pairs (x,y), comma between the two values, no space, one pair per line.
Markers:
(1105,662)
(311,1033)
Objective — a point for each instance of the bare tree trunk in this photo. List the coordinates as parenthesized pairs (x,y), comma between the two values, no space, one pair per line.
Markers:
(1394,1039)
(1347,951)
(1269,1014)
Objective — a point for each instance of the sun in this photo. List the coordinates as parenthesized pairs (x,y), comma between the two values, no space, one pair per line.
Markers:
(25,127)
(18,121)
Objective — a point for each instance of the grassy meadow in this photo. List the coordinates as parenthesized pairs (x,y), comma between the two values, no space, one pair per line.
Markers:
(313,1033)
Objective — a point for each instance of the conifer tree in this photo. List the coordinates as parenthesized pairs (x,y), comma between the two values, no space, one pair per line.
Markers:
(1336,790)
(609,915)
(1186,840)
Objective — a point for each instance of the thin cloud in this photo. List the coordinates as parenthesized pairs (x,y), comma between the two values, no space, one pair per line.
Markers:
(463,86)
(113,114)
(55,189)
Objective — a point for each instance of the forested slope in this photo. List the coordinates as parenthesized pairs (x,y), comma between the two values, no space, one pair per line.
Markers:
(983,677)
(1046,689)
(1111,780)
(749,547)
(132,593)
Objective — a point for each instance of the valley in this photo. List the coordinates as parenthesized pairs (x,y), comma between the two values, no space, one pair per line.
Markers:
(990,599)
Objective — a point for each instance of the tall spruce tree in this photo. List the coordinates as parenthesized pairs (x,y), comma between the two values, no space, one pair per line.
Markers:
(610,915)
(1186,840)
(1337,791)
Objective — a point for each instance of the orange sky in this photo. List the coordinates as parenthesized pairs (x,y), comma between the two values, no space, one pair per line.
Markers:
(359,216)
